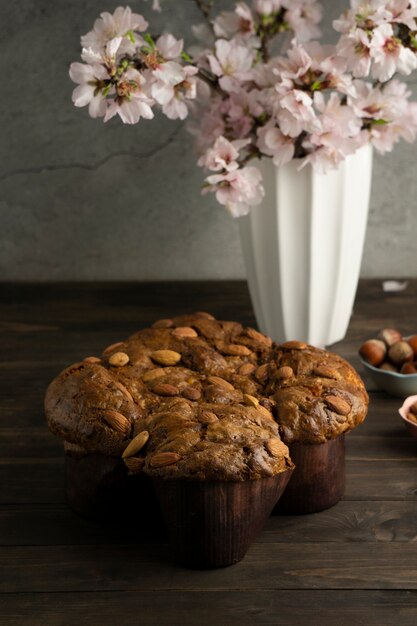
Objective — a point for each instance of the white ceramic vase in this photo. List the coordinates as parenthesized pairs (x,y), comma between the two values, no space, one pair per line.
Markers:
(303,248)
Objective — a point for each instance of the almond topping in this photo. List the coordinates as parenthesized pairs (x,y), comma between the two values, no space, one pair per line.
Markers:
(163,324)
(191,393)
(124,391)
(184,331)
(92,359)
(117,421)
(152,374)
(323,371)
(261,409)
(220,382)
(338,405)
(294,345)
(262,372)
(203,314)
(166,357)
(276,447)
(119,359)
(136,444)
(257,336)
(134,464)
(164,389)
(114,346)
(235,349)
(207,417)
(250,400)
(161,459)
(246,369)
(285,372)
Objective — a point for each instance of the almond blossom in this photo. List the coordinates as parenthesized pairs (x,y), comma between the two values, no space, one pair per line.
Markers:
(389,55)
(122,23)
(231,63)
(238,190)
(315,103)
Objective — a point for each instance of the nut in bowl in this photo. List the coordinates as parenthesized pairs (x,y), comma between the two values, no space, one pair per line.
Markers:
(408,412)
(391,361)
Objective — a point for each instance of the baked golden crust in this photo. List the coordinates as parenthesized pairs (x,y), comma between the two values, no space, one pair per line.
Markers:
(164,379)
(322,399)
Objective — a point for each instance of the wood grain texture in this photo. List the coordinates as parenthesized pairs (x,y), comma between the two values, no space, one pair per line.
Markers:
(353,564)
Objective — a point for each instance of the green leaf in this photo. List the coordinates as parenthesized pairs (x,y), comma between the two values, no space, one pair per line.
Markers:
(130,36)
(186,57)
(149,40)
(316,85)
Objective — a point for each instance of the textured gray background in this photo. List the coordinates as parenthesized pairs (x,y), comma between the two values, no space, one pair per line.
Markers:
(80,200)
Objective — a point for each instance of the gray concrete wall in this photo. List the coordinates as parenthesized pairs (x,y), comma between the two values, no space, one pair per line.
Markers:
(80,200)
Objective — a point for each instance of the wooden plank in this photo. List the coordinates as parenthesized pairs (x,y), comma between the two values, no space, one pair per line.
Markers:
(171,608)
(266,566)
(348,521)
(37,481)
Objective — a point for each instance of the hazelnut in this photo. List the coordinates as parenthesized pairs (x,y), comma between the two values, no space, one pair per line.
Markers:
(388,367)
(390,336)
(408,368)
(400,353)
(373,351)
(412,341)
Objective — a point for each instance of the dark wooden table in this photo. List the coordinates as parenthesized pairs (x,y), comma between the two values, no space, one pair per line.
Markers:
(355,564)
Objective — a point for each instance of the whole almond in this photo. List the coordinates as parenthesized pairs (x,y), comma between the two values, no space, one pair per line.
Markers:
(261,409)
(184,331)
(117,421)
(294,345)
(338,405)
(161,459)
(261,373)
(257,336)
(153,374)
(92,359)
(123,390)
(114,346)
(134,464)
(323,371)
(276,447)
(207,417)
(163,324)
(220,382)
(136,444)
(164,389)
(250,400)
(285,373)
(235,349)
(119,359)
(204,315)
(191,393)
(246,369)
(166,357)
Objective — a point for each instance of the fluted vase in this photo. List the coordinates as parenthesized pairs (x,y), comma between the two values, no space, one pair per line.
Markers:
(303,248)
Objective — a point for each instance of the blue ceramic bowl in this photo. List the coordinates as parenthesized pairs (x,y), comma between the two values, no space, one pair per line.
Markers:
(398,385)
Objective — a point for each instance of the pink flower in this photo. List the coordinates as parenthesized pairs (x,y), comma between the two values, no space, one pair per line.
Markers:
(173,97)
(365,14)
(384,137)
(355,48)
(232,63)
(131,103)
(389,55)
(296,114)
(403,12)
(91,81)
(303,17)
(238,190)
(223,155)
(121,23)
(170,47)
(266,7)
(239,22)
(272,142)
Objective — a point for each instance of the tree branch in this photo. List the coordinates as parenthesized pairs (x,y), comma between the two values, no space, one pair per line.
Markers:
(205,10)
